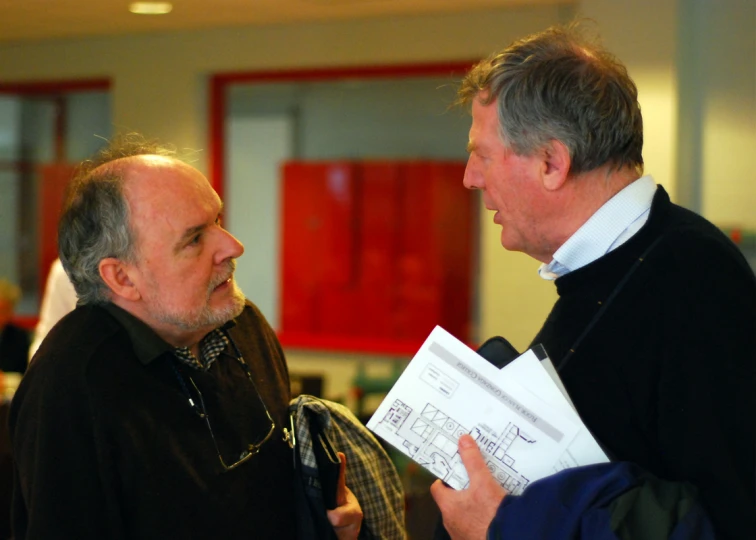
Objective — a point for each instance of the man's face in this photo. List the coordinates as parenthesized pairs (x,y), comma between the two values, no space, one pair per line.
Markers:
(510,184)
(185,259)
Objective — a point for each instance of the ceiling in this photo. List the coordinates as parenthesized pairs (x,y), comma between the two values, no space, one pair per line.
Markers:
(25,20)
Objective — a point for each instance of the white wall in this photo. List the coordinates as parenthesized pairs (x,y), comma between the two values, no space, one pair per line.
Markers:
(256,147)
(728,111)
(643,34)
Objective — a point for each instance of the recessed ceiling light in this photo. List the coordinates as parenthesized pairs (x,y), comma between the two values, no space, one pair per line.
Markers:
(150,8)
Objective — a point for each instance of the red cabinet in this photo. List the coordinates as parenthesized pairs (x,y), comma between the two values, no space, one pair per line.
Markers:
(375,253)
(54,179)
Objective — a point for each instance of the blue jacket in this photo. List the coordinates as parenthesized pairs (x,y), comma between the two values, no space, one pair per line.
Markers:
(608,501)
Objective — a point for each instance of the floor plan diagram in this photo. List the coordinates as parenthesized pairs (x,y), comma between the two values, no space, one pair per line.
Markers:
(521,421)
(430,438)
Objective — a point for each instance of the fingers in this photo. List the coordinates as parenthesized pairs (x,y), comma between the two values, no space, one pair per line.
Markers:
(346,519)
(341,489)
(349,513)
(472,459)
(468,512)
(474,464)
(441,493)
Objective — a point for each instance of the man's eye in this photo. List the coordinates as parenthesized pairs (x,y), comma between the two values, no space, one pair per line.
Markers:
(195,240)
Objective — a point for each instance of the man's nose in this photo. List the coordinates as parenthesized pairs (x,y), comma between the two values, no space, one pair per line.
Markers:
(471,178)
(232,248)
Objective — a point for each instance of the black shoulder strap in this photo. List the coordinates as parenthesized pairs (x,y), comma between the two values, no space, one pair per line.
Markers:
(607,303)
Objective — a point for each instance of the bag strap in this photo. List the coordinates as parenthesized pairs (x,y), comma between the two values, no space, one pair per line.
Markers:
(312,521)
(605,305)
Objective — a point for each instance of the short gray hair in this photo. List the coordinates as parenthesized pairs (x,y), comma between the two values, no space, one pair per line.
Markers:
(95,221)
(559,84)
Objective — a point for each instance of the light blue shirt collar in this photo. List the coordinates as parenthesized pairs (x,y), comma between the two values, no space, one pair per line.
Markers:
(611,226)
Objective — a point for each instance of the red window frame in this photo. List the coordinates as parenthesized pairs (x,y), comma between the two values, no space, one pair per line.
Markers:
(220,82)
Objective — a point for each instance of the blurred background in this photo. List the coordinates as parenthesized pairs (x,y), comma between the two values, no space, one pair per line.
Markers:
(325,126)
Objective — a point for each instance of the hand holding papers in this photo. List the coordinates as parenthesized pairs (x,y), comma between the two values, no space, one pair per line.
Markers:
(521,420)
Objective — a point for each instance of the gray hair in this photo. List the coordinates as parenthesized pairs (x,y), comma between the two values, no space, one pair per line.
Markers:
(558,84)
(95,221)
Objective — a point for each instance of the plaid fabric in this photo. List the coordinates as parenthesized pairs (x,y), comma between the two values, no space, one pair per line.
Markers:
(210,348)
(370,474)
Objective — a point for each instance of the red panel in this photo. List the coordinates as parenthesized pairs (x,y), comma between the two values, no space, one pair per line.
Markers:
(53,87)
(310,341)
(453,231)
(338,312)
(375,254)
(28,322)
(216,127)
(380,234)
(53,181)
(302,214)
(340,224)
(418,264)
(335,312)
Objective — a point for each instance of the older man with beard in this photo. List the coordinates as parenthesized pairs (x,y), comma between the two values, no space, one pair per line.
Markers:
(155,409)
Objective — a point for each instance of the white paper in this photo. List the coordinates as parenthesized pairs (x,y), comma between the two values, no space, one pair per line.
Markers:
(543,380)
(523,424)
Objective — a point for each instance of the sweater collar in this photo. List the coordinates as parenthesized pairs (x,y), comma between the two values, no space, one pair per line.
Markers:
(611,226)
(627,252)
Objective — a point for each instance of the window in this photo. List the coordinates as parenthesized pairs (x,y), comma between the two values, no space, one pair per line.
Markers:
(45,129)
(361,121)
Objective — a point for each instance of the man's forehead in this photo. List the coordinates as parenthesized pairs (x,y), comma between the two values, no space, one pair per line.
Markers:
(142,172)
(158,184)
(125,164)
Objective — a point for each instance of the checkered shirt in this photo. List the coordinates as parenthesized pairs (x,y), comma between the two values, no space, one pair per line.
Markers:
(370,474)
(210,348)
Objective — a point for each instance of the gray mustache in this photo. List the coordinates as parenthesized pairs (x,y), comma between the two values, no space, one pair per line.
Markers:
(229,272)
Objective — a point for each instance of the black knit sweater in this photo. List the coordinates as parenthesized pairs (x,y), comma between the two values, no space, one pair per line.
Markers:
(107,446)
(14,348)
(667,377)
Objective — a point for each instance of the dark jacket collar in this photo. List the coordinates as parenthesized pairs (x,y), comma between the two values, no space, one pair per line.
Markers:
(146,343)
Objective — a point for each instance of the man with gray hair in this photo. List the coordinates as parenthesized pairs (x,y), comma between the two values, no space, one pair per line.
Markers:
(155,409)
(654,331)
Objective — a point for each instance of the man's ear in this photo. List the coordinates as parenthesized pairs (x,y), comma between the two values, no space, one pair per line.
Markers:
(555,165)
(115,274)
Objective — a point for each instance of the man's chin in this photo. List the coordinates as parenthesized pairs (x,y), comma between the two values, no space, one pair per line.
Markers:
(215,317)
(238,306)
(218,317)
(235,303)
